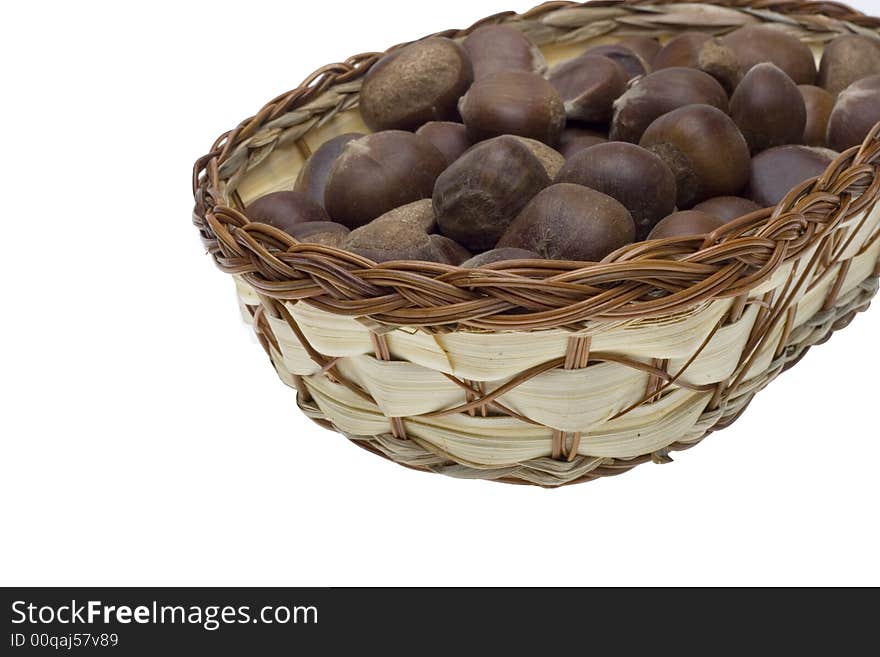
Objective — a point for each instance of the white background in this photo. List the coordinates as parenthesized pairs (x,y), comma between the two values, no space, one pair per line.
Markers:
(146,439)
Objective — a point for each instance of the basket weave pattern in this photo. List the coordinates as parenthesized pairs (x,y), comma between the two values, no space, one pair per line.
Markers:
(544,372)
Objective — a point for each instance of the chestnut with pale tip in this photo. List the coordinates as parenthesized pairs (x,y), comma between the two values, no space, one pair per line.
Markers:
(415,84)
(775,172)
(551,159)
(478,196)
(384,240)
(818,104)
(327,233)
(496,48)
(756,44)
(418,213)
(660,93)
(847,59)
(705,150)
(285,210)
(704,52)
(513,103)
(500,255)
(312,178)
(589,85)
(855,113)
(728,208)
(379,172)
(768,108)
(628,59)
(448,137)
(450,251)
(688,223)
(570,222)
(632,175)
(575,139)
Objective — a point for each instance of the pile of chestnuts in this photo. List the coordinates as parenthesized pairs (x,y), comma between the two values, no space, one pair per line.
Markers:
(480,153)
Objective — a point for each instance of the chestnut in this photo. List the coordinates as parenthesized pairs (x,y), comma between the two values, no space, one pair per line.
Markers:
(515,103)
(478,196)
(500,255)
(775,172)
(328,233)
(645,47)
(628,59)
(497,48)
(450,251)
(704,52)
(755,44)
(379,172)
(589,85)
(574,140)
(856,111)
(848,59)
(551,159)
(382,241)
(728,208)
(705,150)
(418,213)
(284,210)
(818,104)
(689,223)
(447,137)
(312,178)
(635,177)
(768,108)
(570,222)
(417,83)
(659,93)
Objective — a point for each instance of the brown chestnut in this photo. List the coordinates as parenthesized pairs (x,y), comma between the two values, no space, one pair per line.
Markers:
(728,208)
(500,255)
(570,222)
(284,210)
(589,85)
(705,150)
(768,108)
(312,178)
(848,59)
(418,213)
(628,59)
(659,93)
(704,52)
(856,111)
(645,47)
(755,44)
(379,172)
(415,84)
(818,104)
(514,103)
(328,233)
(635,177)
(478,196)
(775,172)
(449,138)
(450,251)
(551,159)
(382,241)
(497,48)
(689,223)
(575,139)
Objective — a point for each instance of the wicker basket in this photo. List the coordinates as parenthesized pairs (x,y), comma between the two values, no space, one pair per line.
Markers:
(543,372)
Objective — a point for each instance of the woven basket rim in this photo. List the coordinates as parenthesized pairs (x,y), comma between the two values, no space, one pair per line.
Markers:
(539,294)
